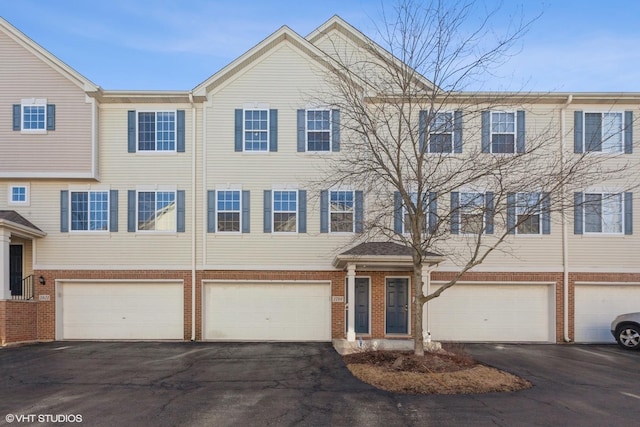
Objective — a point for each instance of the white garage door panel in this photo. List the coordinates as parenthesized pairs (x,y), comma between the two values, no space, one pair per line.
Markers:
(517,313)
(267,312)
(121,310)
(597,305)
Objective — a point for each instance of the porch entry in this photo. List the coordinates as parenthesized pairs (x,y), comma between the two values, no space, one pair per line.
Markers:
(15,269)
(397,305)
(361,306)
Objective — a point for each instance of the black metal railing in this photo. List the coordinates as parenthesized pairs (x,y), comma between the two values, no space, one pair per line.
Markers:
(26,292)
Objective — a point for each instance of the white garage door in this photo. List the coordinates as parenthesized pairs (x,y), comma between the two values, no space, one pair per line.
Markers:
(120,310)
(494,312)
(597,305)
(267,311)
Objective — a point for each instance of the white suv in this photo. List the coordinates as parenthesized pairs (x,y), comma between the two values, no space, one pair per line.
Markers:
(626,329)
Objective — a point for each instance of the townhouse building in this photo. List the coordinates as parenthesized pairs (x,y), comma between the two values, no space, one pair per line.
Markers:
(198,215)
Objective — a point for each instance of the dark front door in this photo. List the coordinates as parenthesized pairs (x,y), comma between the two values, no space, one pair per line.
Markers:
(397,306)
(15,269)
(362,305)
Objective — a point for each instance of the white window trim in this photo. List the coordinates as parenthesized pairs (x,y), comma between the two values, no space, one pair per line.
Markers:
(538,212)
(27,195)
(584,133)
(33,102)
(255,106)
(273,210)
(515,131)
(89,189)
(157,189)
(239,190)
(603,191)
(483,207)
(353,221)
(453,131)
(155,150)
(306,130)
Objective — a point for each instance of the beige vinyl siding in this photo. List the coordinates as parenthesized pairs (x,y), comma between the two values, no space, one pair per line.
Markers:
(67,151)
(286,80)
(101,250)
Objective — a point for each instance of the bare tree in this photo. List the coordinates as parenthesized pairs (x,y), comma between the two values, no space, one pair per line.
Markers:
(424,148)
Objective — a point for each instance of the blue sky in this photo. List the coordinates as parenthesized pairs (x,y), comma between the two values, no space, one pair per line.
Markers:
(574,46)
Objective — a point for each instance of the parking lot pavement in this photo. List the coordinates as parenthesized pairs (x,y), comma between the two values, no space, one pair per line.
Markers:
(198,384)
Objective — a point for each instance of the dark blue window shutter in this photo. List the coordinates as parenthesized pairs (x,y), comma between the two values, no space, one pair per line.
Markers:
(422,130)
(211,211)
(302,211)
(64,211)
(488,213)
(246,209)
(578,213)
(433,212)
(302,131)
(113,210)
(545,207)
(273,130)
(397,212)
(267,211)
(628,132)
(511,213)
(17,117)
(324,211)
(520,135)
(180,211)
(455,212)
(180,131)
(486,132)
(131,131)
(628,213)
(359,212)
(335,130)
(131,211)
(457,131)
(578,146)
(238,129)
(51,116)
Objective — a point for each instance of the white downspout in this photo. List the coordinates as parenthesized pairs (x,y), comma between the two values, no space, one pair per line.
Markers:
(193,218)
(565,231)
(204,183)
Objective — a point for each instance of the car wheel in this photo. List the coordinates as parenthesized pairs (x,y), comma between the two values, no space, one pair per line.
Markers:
(628,336)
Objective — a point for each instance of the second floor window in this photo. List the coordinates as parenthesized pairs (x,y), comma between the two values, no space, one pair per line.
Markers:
(341,207)
(228,211)
(157,131)
(285,211)
(603,213)
(156,211)
(472,209)
(89,210)
(528,213)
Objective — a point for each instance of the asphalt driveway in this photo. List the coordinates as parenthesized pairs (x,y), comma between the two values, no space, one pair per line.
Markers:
(246,384)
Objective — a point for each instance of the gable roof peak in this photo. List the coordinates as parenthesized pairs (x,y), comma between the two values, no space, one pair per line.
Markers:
(47,57)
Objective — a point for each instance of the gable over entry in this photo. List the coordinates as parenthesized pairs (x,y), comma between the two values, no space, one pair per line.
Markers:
(12,225)
(378,256)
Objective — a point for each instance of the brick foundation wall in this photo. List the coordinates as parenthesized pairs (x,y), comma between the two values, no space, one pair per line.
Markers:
(18,321)
(35,320)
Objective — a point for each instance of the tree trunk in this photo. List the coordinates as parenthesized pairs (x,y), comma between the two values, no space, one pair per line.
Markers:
(418,305)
